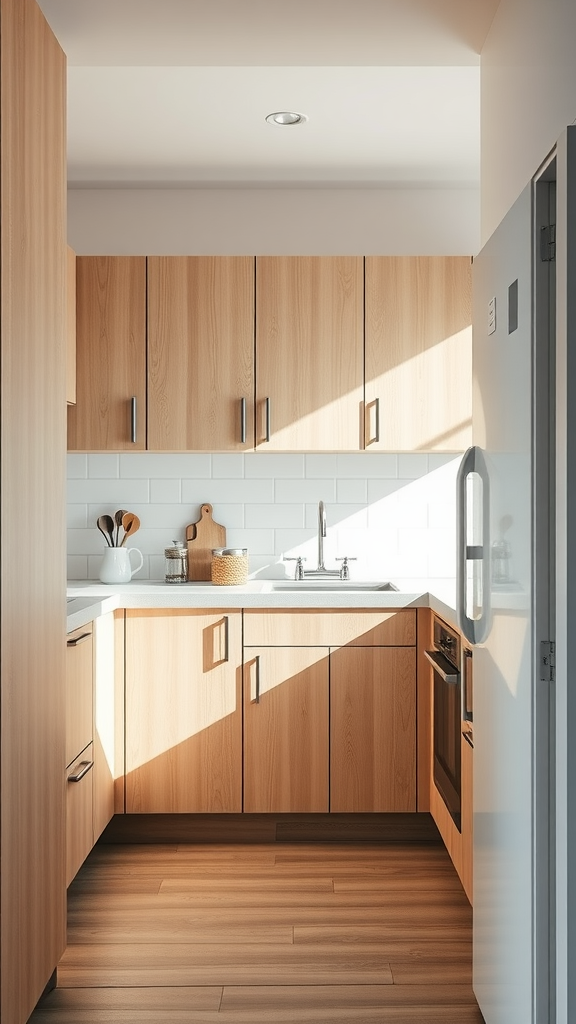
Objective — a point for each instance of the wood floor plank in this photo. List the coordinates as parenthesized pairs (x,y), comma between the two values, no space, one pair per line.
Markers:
(253,997)
(183,998)
(238,974)
(254,883)
(412,939)
(138,930)
(420,971)
(349,1015)
(445,881)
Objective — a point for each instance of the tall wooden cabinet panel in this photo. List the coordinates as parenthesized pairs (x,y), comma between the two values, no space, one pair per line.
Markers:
(309,352)
(110,410)
(183,711)
(285,729)
(373,729)
(32,468)
(418,388)
(200,353)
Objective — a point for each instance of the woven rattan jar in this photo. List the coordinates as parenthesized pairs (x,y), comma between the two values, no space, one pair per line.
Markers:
(229,566)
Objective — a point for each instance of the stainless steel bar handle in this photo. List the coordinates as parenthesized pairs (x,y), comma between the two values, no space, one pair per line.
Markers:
(372,438)
(243,420)
(133,419)
(268,420)
(377,431)
(466,736)
(82,770)
(226,638)
(257,664)
(78,640)
(442,666)
(474,629)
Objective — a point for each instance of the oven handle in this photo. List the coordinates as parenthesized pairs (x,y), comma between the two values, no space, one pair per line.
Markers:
(442,666)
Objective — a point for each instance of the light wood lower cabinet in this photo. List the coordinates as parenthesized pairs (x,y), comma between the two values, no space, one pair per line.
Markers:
(286,729)
(79,812)
(79,691)
(373,729)
(183,711)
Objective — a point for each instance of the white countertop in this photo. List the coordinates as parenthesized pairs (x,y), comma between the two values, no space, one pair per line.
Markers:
(87,599)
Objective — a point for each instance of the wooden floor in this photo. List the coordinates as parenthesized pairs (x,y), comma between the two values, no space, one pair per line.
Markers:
(243,934)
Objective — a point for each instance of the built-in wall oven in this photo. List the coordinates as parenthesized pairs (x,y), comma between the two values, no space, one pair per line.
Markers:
(445,658)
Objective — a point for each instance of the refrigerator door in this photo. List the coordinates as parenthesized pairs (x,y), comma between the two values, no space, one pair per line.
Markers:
(501,621)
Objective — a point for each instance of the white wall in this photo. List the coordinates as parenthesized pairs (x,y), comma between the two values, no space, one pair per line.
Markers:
(528,96)
(270,221)
(394,513)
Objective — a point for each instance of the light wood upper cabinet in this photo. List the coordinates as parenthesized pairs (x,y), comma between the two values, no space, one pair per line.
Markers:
(71,327)
(200,353)
(418,353)
(309,353)
(373,729)
(110,410)
(285,729)
(183,711)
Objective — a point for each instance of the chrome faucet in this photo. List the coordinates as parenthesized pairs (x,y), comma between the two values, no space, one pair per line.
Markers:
(321,570)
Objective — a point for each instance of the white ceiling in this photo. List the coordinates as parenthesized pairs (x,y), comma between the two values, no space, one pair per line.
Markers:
(175,92)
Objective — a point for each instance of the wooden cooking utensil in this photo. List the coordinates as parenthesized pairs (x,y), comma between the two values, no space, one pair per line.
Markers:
(131,523)
(201,538)
(118,517)
(106,526)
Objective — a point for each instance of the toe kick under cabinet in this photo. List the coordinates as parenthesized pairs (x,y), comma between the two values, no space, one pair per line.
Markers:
(329,711)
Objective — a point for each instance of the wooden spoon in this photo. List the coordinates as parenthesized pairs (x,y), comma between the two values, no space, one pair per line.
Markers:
(106,526)
(118,517)
(131,523)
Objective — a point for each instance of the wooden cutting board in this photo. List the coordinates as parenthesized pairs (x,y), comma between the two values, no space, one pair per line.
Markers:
(201,537)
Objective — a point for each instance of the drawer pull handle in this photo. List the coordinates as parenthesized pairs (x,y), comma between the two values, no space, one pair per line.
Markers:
(82,770)
(243,420)
(257,666)
(268,420)
(78,640)
(133,420)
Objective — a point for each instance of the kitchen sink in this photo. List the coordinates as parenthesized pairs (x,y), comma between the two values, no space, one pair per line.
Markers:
(333,585)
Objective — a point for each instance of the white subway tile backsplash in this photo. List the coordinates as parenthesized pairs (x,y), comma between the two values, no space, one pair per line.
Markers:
(371,465)
(300,491)
(76,466)
(77,517)
(173,465)
(351,491)
(77,567)
(260,464)
(412,466)
(103,467)
(394,513)
(116,493)
(162,491)
(274,515)
(321,466)
(229,467)
(196,492)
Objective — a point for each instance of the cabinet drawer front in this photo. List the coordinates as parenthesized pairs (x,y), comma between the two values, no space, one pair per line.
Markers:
(330,628)
(79,829)
(78,691)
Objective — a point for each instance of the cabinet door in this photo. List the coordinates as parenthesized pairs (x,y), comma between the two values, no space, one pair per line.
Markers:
(79,829)
(285,729)
(373,729)
(79,684)
(200,353)
(110,410)
(418,353)
(309,352)
(183,711)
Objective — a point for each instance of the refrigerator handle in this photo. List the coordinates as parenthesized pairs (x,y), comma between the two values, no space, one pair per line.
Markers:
(477,626)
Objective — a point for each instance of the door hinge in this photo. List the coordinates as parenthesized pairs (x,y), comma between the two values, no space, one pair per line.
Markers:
(547,661)
(548,243)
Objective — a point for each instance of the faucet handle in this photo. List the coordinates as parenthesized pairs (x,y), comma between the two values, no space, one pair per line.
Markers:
(345,568)
(299,570)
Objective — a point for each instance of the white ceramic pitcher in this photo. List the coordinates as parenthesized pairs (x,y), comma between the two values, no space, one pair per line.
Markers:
(116,565)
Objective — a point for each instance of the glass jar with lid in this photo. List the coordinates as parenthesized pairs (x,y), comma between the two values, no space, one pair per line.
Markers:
(176,563)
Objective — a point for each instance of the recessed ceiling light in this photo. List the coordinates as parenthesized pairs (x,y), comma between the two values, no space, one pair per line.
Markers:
(286,117)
